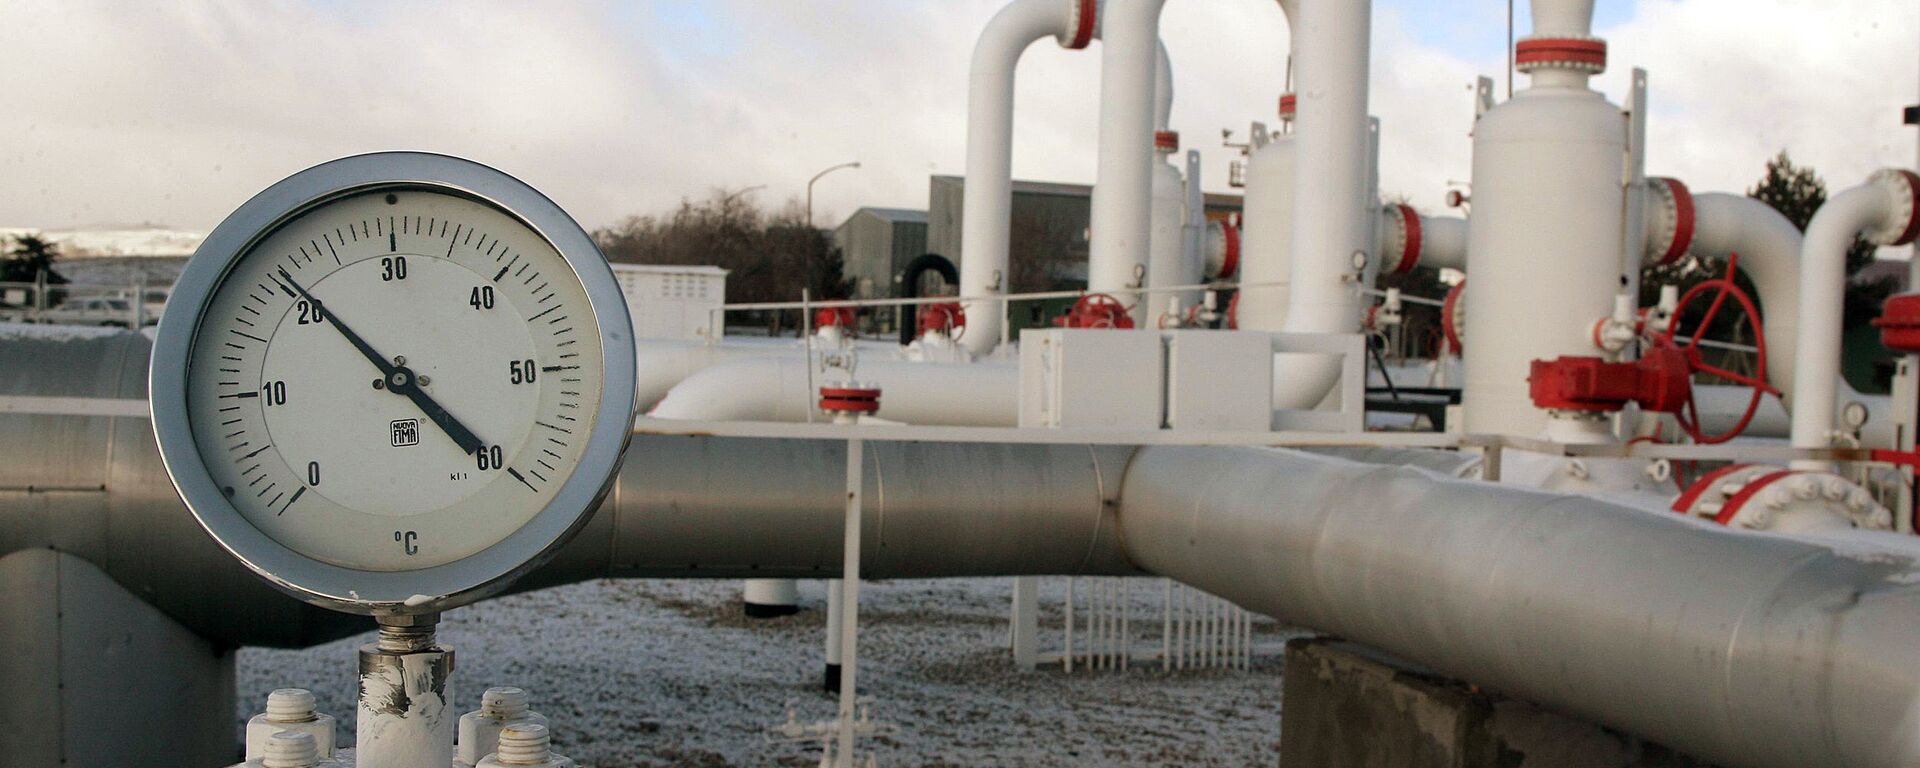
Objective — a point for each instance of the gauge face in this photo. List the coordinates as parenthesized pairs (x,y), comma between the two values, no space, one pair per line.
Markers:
(394,378)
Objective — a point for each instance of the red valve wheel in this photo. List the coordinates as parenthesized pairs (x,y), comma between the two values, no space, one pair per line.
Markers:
(1096,310)
(1723,288)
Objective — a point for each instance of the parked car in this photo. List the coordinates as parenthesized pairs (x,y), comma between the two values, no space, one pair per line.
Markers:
(93,311)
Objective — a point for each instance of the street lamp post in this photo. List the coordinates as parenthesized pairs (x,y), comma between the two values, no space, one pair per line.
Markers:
(816,177)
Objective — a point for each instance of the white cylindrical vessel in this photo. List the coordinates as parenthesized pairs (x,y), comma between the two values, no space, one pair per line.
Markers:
(1545,241)
(1266,236)
(1167,259)
(767,598)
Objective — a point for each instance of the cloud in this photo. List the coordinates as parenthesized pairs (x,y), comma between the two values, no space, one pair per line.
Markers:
(177,112)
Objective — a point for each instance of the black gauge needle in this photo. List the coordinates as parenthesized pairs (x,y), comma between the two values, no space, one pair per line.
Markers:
(399,379)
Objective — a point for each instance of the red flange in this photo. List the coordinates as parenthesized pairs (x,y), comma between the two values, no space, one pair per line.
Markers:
(840,316)
(1230,262)
(1450,316)
(1566,52)
(1166,141)
(1289,106)
(948,318)
(1085,15)
(1899,323)
(849,399)
(1683,221)
(1410,250)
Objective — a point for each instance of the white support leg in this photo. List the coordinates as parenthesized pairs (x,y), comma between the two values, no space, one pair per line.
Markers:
(850,600)
(1026,621)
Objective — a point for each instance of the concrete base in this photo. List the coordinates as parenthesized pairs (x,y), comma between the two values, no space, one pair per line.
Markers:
(95,676)
(1344,706)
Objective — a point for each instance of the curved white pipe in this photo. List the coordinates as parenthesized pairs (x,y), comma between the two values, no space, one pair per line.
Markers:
(987,207)
(776,389)
(1769,248)
(1162,87)
(1332,194)
(1883,209)
(1123,185)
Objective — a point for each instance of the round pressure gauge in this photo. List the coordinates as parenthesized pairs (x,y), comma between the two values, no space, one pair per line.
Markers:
(393,382)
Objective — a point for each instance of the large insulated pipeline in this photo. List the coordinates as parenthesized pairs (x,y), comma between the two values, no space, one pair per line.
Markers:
(1738,647)
(986,217)
(1885,210)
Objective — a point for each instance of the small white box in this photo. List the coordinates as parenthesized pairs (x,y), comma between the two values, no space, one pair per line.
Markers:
(1220,380)
(1087,378)
(673,302)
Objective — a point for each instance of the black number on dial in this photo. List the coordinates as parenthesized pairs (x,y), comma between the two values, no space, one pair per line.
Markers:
(308,312)
(274,392)
(393,268)
(489,457)
(313,473)
(482,297)
(521,371)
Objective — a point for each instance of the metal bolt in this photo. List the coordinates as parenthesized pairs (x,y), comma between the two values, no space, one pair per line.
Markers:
(291,749)
(379,383)
(504,703)
(524,744)
(290,705)
(424,380)
(399,359)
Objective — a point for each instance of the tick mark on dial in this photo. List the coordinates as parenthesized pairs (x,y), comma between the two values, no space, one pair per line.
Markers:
(523,480)
(296,496)
(248,393)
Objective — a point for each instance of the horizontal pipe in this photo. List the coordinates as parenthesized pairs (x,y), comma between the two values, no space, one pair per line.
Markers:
(985,394)
(1743,649)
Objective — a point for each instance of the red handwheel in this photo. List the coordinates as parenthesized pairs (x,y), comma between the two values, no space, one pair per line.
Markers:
(1722,288)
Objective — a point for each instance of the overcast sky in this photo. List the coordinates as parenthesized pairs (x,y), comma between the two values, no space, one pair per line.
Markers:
(175,112)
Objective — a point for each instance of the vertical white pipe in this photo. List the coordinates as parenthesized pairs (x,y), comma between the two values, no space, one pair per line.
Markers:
(831,680)
(1266,262)
(1883,209)
(1166,625)
(1123,186)
(1332,209)
(1067,658)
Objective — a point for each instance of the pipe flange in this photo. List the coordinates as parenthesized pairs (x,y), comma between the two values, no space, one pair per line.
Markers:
(1763,497)
(1578,54)
(1166,142)
(1453,317)
(1903,225)
(1083,20)
(1289,106)
(1674,217)
(1403,237)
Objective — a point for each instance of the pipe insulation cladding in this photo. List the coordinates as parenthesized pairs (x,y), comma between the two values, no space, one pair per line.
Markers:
(1123,181)
(1741,648)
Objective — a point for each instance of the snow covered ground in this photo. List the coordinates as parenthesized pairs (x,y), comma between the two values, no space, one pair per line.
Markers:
(669,673)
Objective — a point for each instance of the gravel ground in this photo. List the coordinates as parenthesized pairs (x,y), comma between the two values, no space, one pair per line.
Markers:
(668,673)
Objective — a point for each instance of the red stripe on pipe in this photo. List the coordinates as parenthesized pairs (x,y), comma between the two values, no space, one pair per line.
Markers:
(1754,487)
(1289,104)
(1701,486)
(1083,34)
(1410,254)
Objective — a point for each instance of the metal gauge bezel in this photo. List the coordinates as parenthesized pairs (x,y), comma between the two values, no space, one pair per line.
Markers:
(435,588)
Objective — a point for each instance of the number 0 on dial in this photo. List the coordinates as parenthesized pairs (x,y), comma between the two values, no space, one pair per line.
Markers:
(393,381)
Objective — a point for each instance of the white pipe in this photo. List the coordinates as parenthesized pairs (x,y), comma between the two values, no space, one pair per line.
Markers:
(1332,199)
(1769,248)
(664,363)
(1266,263)
(775,389)
(987,208)
(1883,209)
(1443,242)
(1123,186)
